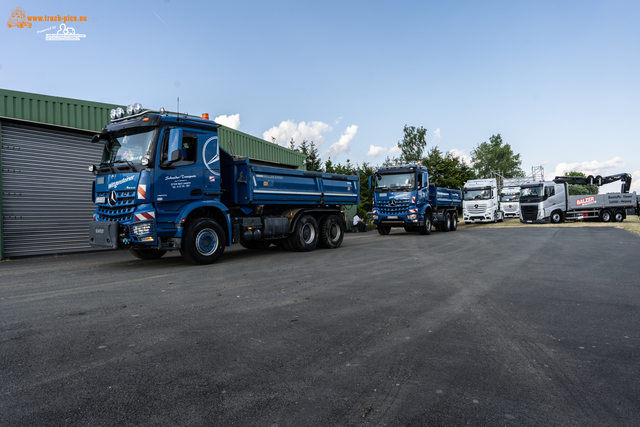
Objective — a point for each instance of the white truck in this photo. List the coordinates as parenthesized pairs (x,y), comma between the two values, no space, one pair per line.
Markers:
(480,201)
(549,201)
(510,196)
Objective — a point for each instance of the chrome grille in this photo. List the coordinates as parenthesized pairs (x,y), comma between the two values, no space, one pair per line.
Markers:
(399,208)
(121,212)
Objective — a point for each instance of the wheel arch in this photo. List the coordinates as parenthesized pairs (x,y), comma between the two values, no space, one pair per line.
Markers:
(214,210)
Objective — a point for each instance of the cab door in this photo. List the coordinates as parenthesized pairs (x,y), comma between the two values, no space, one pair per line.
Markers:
(178,175)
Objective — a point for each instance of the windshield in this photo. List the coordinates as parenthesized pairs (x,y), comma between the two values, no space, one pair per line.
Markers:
(531,193)
(128,145)
(395,182)
(477,193)
(510,197)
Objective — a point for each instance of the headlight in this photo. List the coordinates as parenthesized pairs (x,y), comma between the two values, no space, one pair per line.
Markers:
(119,113)
(411,217)
(141,229)
(137,108)
(113,114)
(129,110)
(375,217)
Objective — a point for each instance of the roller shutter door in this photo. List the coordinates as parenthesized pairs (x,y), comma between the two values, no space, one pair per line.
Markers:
(46,189)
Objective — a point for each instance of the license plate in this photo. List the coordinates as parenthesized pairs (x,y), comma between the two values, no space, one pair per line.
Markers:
(101,199)
(392,217)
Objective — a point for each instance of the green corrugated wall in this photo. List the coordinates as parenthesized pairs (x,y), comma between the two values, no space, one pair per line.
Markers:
(54,110)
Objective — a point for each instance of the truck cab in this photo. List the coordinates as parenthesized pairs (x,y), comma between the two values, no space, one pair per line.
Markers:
(481,202)
(510,202)
(543,202)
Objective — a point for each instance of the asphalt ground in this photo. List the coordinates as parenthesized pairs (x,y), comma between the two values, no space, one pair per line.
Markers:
(483,327)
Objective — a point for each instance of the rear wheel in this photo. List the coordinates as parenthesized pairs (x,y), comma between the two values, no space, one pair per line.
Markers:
(331,232)
(618,216)
(147,253)
(454,221)
(203,241)
(305,236)
(446,225)
(605,215)
(384,230)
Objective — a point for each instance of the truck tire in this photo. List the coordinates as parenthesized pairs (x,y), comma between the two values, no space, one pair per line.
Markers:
(202,242)
(306,235)
(331,232)
(147,253)
(454,221)
(446,225)
(426,228)
(384,230)
(618,216)
(556,217)
(255,244)
(605,215)
(501,219)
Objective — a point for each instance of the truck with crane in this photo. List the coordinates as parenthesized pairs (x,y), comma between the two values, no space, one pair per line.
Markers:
(164,184)
(403,197)
(549,201)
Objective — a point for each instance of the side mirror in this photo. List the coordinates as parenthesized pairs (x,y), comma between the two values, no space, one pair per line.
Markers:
(95,138)
(175,145)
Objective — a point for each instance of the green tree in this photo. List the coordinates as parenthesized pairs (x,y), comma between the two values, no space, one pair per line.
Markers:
(313,161)
(496,156)
(578,189)
(413,143)
(447,170)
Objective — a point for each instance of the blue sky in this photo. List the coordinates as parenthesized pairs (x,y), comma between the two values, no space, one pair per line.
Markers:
(557,79)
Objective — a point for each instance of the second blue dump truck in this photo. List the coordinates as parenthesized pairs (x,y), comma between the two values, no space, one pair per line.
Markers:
(164,183)
(404,198)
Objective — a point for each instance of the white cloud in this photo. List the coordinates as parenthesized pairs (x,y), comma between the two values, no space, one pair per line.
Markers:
(436,135)
(230,121)
(344,143)
(589,168)
(395,149)
(286,130)
(635,182)
(374,151)
(464,156)
(337,121)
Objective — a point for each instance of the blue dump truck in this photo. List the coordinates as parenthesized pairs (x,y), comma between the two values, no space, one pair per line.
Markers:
(164,183)
(404,198)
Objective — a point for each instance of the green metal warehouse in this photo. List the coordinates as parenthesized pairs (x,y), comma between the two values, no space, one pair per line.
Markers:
(45,197)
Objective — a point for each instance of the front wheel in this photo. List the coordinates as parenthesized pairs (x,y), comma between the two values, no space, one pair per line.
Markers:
(426,228)
(384,230)
(203,241)
(556,217)
(147,253)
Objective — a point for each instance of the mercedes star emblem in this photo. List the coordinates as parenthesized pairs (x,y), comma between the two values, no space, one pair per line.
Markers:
(392,203)
(112,198)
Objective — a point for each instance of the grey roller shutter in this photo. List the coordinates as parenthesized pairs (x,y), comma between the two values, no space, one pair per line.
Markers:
(46,189)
